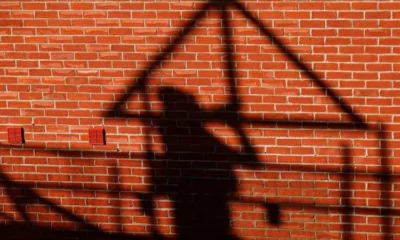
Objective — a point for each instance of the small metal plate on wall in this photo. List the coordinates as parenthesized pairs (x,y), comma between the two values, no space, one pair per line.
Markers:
(15,135)
(97,136)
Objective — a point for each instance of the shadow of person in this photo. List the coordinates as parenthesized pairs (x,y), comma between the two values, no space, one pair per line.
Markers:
(197,169)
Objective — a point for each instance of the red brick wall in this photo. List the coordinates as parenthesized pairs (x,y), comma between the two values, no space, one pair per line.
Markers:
(275,122)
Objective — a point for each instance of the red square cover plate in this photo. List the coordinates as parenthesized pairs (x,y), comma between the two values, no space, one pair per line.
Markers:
(97,136)
(15,135)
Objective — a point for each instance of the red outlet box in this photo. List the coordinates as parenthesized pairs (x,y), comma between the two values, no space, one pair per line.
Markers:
(15,135)
(97,136)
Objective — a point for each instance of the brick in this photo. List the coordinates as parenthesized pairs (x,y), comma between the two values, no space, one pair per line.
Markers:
(46,14)
(11,23)
(364,5)
(57,6)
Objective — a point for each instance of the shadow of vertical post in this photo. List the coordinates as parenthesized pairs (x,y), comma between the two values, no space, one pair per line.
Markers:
(386,185)
(115,192)
(346,194)
(234,100)
(233,104)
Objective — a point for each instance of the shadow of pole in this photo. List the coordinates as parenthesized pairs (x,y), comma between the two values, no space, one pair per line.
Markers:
(115,195)
(347,193)
(386,185)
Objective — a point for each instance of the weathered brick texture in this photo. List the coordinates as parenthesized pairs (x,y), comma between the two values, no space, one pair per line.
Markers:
(276,122)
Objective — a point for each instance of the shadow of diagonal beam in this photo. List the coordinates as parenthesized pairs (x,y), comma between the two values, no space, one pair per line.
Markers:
(6,218)
(144,76)
(299,64)
(9,184)
(17,203)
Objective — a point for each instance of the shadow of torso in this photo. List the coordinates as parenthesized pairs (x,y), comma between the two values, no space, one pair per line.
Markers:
(196,172)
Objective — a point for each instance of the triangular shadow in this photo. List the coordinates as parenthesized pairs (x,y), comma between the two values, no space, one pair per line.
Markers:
(139,84)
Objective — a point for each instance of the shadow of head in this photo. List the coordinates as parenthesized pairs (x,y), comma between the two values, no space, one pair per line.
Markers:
(174,99)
